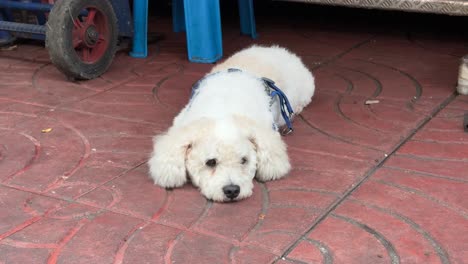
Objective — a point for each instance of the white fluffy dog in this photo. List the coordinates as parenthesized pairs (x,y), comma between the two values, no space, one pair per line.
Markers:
(225,136)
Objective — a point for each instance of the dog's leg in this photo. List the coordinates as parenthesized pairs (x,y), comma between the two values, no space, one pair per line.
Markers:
(272,157)
(167,163)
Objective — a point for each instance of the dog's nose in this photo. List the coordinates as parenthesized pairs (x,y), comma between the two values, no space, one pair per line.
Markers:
(231,191)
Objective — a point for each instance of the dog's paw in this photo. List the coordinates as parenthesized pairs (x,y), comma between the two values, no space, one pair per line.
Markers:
(166,177)
(167,162)
(274,170)
(166,174)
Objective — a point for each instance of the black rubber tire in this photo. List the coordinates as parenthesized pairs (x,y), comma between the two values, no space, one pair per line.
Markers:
(59,40)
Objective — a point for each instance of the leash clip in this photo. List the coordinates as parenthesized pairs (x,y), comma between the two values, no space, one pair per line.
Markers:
(286,131)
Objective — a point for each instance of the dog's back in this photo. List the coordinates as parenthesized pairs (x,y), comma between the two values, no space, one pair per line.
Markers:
(276,63)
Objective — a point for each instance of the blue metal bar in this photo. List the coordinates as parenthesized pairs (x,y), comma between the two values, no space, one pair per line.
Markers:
(124,17)
(26,6)
(21,27)
(41,18)
(247,18)
(140,36)
(29,35)
(178,17)
(5,36)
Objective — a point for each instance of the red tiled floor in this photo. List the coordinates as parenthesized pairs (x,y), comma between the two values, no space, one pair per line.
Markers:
(370,183)
(412,210)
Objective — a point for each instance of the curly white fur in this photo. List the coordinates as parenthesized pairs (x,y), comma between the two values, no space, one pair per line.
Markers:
(230,121)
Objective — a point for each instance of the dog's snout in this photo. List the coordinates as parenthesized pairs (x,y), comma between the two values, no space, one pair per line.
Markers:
(231,191)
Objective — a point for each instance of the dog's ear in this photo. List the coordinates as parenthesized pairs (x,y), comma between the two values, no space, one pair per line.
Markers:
(272,157)
(167,163)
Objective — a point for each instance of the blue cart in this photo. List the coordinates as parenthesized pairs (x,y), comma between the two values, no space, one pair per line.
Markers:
(81,36)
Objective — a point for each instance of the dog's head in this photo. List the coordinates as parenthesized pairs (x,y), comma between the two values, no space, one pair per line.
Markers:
(221,157)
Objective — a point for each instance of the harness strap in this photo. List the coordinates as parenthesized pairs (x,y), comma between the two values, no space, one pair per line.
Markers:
(285,106)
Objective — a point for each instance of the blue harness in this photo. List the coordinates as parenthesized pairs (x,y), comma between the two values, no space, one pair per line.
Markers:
(272,90)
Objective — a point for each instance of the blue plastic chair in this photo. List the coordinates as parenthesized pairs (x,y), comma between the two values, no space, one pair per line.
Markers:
(201,19)
(140,29)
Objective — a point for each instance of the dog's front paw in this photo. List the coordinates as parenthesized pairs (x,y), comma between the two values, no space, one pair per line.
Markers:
(167,163)
(273,170)
(165,175)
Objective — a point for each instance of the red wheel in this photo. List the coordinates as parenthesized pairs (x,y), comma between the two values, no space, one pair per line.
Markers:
(82,37)
(91,35)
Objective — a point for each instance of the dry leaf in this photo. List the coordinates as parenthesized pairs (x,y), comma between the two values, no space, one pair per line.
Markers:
(46,130)
(9,48)
(369,102)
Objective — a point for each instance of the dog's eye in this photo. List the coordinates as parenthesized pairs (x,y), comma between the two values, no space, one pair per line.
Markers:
(244,160)
(211,163)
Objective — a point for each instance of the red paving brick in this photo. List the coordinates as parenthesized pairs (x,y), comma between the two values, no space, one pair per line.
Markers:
(364,187)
